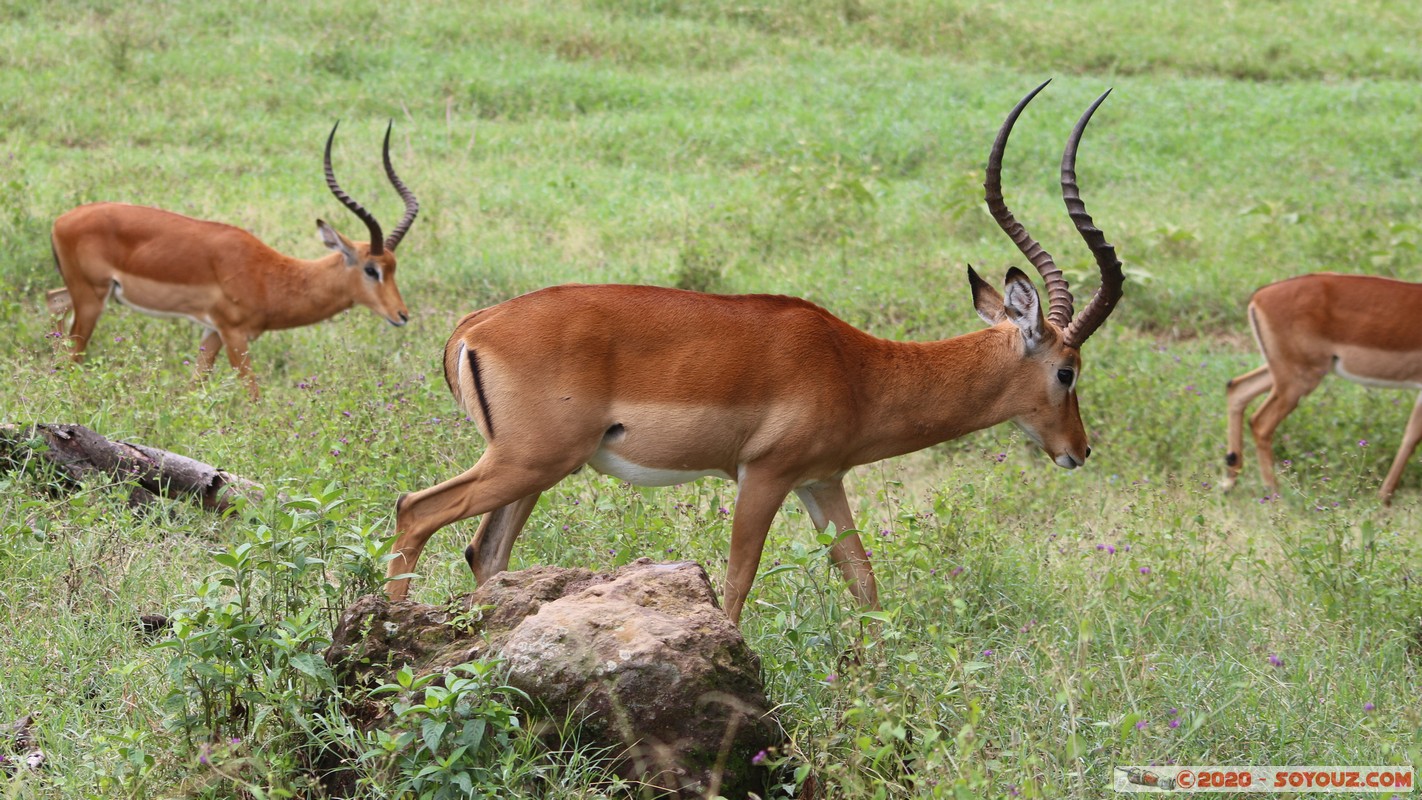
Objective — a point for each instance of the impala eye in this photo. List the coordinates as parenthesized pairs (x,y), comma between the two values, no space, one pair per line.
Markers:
(1065,376)
(372,273)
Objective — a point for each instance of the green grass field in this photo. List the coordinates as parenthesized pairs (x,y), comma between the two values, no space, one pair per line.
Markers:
(1040,625)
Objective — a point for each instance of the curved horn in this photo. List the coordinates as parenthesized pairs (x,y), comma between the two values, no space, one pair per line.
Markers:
(1059,305)
(412,206)
(376,240)
(1105,298)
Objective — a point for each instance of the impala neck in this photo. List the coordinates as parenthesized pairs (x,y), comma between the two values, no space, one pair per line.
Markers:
(924,393)
(306,292)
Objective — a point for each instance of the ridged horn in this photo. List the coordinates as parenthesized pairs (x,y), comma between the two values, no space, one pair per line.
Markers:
(377,241)
(412,205)
(1059,300)
(1112,278)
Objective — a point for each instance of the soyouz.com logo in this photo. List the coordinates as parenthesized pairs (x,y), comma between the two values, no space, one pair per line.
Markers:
(1395,780)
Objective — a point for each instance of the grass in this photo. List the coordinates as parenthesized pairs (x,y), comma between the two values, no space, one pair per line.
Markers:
(1043,625)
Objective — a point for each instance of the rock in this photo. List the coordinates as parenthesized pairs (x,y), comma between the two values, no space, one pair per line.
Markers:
(644,656)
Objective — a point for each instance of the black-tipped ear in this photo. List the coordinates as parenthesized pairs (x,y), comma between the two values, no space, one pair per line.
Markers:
(1022,305)
(986,299)
(335,241)
(1015,274)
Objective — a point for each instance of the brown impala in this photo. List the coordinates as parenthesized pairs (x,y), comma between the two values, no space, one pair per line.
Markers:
(660,386)
(1358,326)
(221,277)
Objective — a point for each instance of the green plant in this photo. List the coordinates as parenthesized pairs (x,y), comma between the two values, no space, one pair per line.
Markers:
(453,735)
(246,660)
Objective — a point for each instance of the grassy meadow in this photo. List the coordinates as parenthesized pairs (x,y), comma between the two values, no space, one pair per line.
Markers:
(1040,625)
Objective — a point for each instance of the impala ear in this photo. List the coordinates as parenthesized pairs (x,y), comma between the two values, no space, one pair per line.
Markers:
(1024,308)
(985,298)
(335,241)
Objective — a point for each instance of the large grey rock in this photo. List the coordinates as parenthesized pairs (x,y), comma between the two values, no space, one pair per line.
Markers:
(644,657)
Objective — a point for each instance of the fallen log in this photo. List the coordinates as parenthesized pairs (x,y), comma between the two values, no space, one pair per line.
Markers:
(77,452)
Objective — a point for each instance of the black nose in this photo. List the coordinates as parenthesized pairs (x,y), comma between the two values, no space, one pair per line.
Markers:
(1088,452)
(406,318)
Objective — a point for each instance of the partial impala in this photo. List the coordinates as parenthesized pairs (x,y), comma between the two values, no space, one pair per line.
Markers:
(659,386)
(221,277)
(1357,326)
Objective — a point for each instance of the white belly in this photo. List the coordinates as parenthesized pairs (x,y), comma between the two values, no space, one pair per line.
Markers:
(1340,367)
(609,463)
(119,297)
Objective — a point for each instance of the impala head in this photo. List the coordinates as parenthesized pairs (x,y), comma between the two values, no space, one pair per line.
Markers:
(370,266)
(1045,397)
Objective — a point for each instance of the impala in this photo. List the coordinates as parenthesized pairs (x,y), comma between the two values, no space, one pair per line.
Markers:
(660,386)
(1358,326)
(221,277)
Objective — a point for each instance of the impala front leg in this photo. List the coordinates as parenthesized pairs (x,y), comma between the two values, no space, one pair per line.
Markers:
(208,349)
(756,503)
(827,503)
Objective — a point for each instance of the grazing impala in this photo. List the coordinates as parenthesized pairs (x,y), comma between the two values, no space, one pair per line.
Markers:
(221,277)
(659,386)
(1358,326)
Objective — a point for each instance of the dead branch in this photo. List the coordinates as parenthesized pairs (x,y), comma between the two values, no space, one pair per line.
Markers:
(77,452)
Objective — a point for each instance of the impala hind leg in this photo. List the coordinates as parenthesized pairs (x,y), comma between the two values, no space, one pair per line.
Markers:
(827,503)
(1239,393)
(88,305)
(492,485)
(59,304)
(1410,438)
(1282,400)
(488,552)
(239,358)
